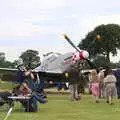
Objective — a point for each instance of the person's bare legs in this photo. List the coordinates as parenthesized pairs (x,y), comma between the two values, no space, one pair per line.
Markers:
(96,99)
(71,88)
(110,100)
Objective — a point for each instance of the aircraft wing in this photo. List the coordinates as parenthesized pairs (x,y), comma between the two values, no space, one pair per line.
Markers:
(8,69)
(54,71)
(8,74)
(47,75)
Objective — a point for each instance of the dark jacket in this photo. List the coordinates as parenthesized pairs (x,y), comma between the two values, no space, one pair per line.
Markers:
(20,76)
(117,75)
(73,74)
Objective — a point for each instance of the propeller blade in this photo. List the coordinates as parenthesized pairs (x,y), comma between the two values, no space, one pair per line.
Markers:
(71,43)
(92,65)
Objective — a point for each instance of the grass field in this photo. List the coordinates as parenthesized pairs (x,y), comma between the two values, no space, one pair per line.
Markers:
(7,85)
(60,108)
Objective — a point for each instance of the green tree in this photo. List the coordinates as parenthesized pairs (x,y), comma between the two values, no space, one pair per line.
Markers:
(2,57)
(103,40)
(100,61)
(30,58)
(4,63)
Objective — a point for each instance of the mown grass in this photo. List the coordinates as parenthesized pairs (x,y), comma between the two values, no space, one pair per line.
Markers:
(59,107)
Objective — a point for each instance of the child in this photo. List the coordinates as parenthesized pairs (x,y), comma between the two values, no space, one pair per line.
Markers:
(94,85)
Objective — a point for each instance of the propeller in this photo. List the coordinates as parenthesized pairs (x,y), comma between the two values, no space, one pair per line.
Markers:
(83,54)
(72,44)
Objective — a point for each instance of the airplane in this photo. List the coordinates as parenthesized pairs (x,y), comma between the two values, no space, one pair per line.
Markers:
(54,64)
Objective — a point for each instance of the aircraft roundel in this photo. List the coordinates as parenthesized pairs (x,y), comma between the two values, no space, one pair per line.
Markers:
(80,55)
(75,56)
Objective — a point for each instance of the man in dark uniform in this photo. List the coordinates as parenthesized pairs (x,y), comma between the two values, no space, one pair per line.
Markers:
(73,76)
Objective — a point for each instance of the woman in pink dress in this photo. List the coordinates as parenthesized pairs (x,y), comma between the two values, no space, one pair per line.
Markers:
(94,85)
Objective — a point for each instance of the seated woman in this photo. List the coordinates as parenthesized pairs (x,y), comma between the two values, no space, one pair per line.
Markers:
(26,88)
(22,90)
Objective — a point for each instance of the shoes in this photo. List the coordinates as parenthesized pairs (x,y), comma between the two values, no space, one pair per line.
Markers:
(118,97)
(107,101)
(97,101)
(77,99)
(111,103)
(45,101)
(44,96)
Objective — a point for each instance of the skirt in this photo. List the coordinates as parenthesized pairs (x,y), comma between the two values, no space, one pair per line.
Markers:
(95,89)
(110,89)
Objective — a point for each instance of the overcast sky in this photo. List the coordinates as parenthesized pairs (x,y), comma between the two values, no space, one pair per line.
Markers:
(39,24)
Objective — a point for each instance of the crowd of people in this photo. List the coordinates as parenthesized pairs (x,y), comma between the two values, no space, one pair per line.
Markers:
(105,84)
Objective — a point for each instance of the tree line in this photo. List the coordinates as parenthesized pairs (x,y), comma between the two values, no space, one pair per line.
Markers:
(30,58)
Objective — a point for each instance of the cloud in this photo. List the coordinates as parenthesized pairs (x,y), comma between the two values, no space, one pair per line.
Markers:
(107,19)
(28,18)
(23,29)
(16,28)
(89,22)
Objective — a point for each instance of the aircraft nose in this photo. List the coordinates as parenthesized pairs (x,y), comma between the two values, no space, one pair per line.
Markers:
(84,54)
(80,55)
